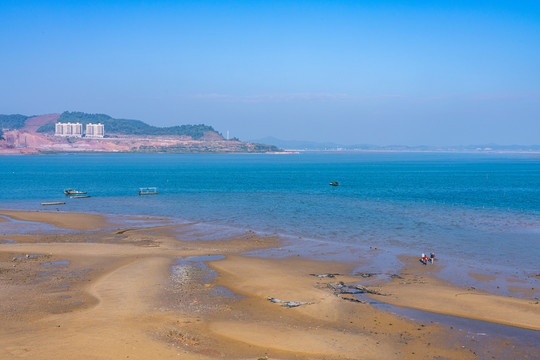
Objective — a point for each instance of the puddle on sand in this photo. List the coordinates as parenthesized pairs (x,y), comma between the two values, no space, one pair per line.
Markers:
(223,291)
(65,285)
(77,303)
(79,273)
(195,269)
(14,226)
(187,271)
(27,257)
(64,297)
(7,241)
(63,262)
(203,258)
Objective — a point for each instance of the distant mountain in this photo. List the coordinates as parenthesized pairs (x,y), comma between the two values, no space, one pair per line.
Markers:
(134,127)
(297,144)
(312,145)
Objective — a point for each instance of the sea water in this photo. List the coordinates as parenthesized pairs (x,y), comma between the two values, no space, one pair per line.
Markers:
(479,210)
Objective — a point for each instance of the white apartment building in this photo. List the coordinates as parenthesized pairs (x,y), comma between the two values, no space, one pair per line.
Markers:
(76,130)
(95,130)
(68,129)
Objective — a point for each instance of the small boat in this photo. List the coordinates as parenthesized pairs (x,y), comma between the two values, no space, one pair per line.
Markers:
(334,183)
(53,203)
(148,191)
(79,196)
(73,192)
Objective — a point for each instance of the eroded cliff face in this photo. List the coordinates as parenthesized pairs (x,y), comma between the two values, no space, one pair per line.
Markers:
(34,123)
(28,142)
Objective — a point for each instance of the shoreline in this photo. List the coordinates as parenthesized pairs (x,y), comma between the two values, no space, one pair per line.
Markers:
(454,271)
(117,287)
(32,151)
(367,258)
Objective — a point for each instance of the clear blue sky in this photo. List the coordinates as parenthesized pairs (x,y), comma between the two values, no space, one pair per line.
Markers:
(353,72)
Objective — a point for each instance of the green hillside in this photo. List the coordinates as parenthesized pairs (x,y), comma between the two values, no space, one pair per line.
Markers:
(12,122)
(129,127)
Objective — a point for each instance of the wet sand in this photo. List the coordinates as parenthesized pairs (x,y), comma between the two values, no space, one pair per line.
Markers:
(117,293)
(75,221)
(418,289)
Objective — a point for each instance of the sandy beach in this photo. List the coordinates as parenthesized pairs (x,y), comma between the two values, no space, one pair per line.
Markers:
(107,290)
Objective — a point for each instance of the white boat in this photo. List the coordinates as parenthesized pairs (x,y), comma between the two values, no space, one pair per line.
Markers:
(73,192)
(148,191)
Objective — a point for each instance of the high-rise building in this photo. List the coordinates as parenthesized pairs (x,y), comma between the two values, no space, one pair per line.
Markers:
(68,129)
(94,130)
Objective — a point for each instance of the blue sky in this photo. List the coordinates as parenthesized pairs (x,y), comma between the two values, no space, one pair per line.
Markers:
(352,72)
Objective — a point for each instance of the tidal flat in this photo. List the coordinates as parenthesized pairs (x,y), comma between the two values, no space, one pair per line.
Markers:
(143,287)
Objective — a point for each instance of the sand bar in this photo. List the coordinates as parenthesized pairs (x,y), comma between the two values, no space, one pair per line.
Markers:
(62,220)
(419,290)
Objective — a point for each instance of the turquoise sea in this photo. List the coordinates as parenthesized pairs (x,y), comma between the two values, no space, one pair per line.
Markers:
(475,211)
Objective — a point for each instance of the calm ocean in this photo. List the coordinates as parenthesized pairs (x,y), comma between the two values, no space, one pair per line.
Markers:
(476,208)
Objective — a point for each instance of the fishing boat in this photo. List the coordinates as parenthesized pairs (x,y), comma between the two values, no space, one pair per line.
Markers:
(73,192)
(79,196)
(334,183)
(148,191)
(53,203)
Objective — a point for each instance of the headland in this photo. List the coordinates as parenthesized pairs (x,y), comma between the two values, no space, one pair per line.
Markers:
(20,134)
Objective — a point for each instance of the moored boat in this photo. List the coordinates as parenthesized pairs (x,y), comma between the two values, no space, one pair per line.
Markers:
(148,191)
(73,192)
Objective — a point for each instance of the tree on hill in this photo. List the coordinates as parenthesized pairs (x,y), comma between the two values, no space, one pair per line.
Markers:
(129,127)
(47,128)
(12,122)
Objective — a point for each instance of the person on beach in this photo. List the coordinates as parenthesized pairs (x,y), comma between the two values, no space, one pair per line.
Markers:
(424,259)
